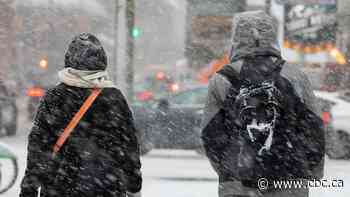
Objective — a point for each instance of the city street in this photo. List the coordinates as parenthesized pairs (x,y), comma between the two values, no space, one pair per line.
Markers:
(178,173)
(166,173)
(104,77)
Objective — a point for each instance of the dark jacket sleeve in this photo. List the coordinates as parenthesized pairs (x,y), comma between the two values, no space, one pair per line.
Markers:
(131,164)
(39,160)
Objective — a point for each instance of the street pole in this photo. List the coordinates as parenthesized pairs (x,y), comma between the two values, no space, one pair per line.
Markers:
(115,48)
(130,17)
(268,7)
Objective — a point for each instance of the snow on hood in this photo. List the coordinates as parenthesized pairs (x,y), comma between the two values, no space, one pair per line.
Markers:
(253,33)
(91,6)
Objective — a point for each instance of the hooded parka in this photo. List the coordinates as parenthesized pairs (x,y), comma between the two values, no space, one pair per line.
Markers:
(254,35)
(101,157)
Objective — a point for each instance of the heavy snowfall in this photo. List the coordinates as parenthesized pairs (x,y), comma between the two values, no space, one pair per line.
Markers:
(178,98)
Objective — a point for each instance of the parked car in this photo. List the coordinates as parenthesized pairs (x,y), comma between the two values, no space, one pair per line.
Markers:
(34,93)
(172,122)
(338,125)
(8,112)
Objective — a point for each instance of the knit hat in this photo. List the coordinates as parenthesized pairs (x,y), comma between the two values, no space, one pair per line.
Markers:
(85,52)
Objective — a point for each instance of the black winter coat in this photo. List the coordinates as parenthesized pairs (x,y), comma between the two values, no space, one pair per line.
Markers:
(220,135)
(100,158)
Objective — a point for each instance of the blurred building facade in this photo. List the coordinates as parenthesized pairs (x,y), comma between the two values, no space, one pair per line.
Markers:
(162,25)
(343,41)
(46,27)
(161,33)
(7,38)
(344,26)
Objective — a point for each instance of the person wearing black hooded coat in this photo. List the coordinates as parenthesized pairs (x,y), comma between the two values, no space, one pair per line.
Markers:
(101,157)
(254,53)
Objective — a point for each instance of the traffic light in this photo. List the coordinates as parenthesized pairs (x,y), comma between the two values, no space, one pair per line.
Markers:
(136,32)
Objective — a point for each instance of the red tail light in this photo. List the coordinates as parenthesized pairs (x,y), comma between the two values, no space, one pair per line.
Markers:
(144,96)
(326,117)
(35,92)
(160,76)
(174,87)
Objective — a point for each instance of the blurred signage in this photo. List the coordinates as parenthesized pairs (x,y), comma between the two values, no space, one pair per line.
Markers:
(310,25)
(215,7)
(208,29)
(210,34)
(212,27)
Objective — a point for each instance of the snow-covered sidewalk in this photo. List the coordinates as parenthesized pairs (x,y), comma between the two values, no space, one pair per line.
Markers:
(179,173)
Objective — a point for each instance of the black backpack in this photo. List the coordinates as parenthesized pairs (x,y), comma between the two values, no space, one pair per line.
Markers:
(278,137)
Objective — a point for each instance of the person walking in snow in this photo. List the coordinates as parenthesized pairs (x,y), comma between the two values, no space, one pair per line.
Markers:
(261,120)
(100,158)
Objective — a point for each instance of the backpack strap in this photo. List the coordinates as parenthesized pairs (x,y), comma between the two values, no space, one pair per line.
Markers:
(233,77)
(280,63)
(74,122)
(230,74)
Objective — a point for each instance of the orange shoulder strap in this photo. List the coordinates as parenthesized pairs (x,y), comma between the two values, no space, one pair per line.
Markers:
(74,122)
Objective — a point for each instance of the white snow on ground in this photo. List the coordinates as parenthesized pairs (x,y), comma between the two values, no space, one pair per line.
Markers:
(335,170)
(178,173)
(185,174)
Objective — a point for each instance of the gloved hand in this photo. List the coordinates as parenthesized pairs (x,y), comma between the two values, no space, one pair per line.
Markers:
(129,194)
